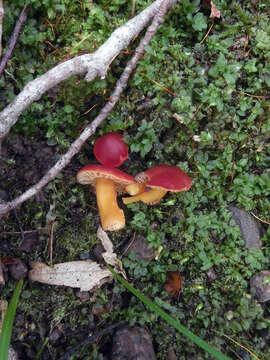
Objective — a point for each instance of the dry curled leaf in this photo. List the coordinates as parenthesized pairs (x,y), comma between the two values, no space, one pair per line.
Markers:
(215,12)
(109,256)
(85,275)
(173,283)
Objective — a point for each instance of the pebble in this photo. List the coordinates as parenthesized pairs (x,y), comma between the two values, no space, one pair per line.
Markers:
(29,241)
(18,270)
(132,340)
(261,286)
(250,228)
(141,249)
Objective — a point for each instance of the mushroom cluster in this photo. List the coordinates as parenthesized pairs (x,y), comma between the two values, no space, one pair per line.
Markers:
(148,186)
(111,151)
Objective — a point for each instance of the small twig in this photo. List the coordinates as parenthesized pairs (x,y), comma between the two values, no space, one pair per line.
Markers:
(129,245)
(17,232)
(51,242)
(160,85)
(242,346)
(197,110)
(208,32)
(45,342)
(90,129)
(92,338)
(261,220)
(14,38)
(253,96)
(87,111)
(1,24)
(133,8)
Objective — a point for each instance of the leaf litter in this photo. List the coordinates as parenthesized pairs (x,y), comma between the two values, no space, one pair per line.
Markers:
(85,274)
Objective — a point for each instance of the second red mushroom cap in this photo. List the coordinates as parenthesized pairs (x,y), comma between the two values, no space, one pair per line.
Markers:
(110,150)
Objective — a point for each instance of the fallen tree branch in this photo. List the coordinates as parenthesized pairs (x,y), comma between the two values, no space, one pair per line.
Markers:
(91,128)
(14,37)
(1,24)
(95,64)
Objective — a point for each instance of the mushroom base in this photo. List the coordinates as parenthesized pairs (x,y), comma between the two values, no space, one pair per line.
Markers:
(111,216)
(150,197)
(135,189)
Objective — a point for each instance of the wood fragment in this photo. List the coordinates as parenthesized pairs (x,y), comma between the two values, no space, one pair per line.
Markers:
(91,128)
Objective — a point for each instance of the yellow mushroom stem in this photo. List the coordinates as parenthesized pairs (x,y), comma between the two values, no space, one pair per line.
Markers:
(111,216)
(135,189)
(151,197)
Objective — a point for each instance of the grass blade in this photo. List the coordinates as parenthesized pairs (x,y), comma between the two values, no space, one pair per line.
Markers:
(45,342)
(171,321)
(8,322)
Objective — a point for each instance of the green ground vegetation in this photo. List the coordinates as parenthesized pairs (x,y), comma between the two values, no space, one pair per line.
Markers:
(198,103)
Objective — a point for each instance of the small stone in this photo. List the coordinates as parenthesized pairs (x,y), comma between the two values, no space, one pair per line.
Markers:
(29,241)
(19,320)
(211,275)
(141,249)
(171,354)
(99,310)
(243,354)
(55,335)
(83,296)
(3,195)
(12,354)
(132,340)
(260,283)
(84,256)
(98,250)
(250,228)
(18,270)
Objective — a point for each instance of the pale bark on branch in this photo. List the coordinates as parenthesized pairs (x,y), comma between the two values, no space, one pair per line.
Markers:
(91,128)
(93,65)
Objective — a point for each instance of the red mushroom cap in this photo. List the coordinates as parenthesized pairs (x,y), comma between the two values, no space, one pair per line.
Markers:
(110,150)
(89,173)
(165,177)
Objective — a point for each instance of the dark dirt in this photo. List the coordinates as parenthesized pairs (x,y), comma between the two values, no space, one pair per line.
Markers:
(25,161)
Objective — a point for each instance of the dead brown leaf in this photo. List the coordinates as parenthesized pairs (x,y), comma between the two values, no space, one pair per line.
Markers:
(85,275)
(109,256)
(173,283)
(215,12)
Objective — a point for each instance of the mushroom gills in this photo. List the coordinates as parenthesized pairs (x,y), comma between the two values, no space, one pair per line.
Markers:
(111,216)
(151,197)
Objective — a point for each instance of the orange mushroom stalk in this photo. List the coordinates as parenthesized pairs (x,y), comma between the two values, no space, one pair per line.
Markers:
(150,197)
(107,181)
(135,189)
(111,216)
(159,180)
